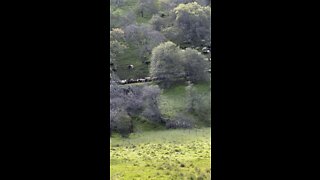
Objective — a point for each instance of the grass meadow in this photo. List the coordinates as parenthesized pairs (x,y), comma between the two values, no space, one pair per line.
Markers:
(163,154)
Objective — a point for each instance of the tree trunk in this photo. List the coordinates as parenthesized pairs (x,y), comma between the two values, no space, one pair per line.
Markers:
(131,127)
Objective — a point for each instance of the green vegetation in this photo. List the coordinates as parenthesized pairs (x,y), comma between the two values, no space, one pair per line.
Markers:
(169,154)
(173,100)
(160,125)
(131,57)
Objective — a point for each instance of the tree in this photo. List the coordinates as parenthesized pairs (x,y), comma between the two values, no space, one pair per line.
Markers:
(144,38)
(120,20)
(192,98)
(117,106)
(194,21)
(117,45)
(134,101)
(198,104)
(168,5)
(128,102)
(124,125)
(151,99)
(146,7)
(157,22)
(117,3)
(195,65)
(166,63)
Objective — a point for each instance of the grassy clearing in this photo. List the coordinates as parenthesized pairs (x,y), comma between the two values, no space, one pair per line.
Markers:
(130,56)
(169,154)
(173,100)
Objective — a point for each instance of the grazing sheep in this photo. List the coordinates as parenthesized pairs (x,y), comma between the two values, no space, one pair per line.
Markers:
(205,50)
(131,81)
(130,66)
(147,62)
(123,81)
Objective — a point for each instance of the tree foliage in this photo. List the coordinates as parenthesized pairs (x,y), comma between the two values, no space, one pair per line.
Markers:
(143,37)
(127,102)
(117,43)
(166,63)
(195,65)
(194,21)
(198,105)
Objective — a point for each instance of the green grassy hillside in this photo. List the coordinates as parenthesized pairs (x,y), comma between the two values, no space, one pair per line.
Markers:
(171,102)
(169,154)
(130,57)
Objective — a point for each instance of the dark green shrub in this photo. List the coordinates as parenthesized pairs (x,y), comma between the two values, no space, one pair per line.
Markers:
(124,125)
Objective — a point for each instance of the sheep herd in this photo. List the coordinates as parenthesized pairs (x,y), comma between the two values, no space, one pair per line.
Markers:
(130,81)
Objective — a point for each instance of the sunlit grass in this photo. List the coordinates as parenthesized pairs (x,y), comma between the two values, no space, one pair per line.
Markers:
(168,154)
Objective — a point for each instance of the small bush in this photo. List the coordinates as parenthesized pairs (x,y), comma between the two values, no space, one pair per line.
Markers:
(181,121)
(124,126)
